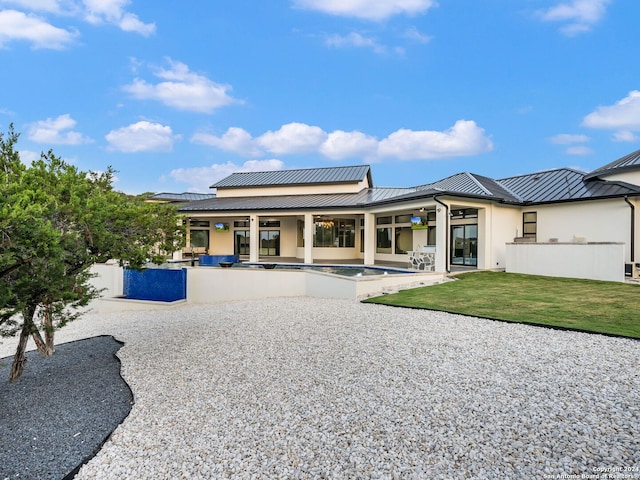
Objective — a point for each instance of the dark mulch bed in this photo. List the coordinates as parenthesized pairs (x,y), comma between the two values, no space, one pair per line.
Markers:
(61,411)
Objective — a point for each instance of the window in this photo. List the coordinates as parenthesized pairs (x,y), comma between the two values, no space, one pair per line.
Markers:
(384,220)
(270,223)
(199,223)
(403,218)
(334,232)
(241,224)
(457,213)
(199,239)
(323,232)
(529,224)
(383,240)
(404,239)
(431,236)
(242,241)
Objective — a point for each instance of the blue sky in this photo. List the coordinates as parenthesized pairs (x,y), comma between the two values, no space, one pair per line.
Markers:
(177,95)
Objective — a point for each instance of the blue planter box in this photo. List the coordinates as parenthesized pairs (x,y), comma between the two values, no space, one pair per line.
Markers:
(157,284)
(214,260)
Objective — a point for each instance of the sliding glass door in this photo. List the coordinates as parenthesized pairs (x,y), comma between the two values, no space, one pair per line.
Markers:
(464,245)
(270,243)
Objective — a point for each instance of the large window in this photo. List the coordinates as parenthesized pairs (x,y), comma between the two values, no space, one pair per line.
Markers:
(199,234)
(334,232)
(394,234)
(383,240)
(404,239)
(199,239)
(242,242)
(530,224)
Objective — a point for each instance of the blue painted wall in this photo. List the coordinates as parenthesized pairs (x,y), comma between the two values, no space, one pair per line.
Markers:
(214,260)
(155,284)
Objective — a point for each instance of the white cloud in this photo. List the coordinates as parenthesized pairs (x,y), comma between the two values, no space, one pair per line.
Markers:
(577,16)
(93,11)
(567,139)
(293,138)
(412,33)
(113,12)
(58,7)
(464,138)
(142,136)
(354,39)
(16,25)
(201,178)
(623,115)
(625,136)
(182,89)
(56,131)
(367,9)
(579,150)
(340,144)
(28,156)
(235,140)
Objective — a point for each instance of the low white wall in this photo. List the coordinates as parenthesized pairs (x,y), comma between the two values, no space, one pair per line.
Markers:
(594,261)
(207,285)
(212,285)
(109,278)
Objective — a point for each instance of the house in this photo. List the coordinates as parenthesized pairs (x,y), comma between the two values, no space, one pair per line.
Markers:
(466,220)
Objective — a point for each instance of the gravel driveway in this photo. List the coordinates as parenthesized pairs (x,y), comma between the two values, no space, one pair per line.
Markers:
(324,388)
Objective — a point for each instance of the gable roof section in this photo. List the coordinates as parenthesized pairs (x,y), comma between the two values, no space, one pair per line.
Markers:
(471,184)
(305,176)
(563,184)
(624,164)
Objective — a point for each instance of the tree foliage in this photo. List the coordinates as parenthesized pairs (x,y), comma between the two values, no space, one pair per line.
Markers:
(55,222)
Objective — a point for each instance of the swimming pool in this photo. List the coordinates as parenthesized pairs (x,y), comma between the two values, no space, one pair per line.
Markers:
(342,270)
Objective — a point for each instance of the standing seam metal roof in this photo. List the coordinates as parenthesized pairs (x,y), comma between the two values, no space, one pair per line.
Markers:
(626,163)
(549,186)
(561,185)
(306,176)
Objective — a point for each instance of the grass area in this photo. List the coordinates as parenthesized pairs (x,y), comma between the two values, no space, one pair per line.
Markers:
(594,306)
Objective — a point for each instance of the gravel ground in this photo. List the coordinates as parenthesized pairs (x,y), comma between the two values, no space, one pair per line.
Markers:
(317,388)
(58,413)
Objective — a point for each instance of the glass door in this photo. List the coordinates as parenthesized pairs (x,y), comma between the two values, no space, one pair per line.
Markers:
(464,245)
(270,243)
(242,242)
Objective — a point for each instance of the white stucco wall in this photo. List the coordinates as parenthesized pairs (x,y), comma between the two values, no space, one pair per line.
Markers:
(594,261)
(292,190)
(632,177)
(597,221)
(108,278)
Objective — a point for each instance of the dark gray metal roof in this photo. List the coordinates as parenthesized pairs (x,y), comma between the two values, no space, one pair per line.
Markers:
(626,163)
(559,185)
(293,202)
(563,184)
(305,176)
(180,197)
(472,184)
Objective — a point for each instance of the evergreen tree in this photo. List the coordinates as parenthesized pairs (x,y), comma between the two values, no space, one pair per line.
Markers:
(55,222)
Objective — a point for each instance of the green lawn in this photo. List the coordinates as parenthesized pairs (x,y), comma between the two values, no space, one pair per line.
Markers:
(595,306)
